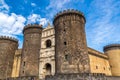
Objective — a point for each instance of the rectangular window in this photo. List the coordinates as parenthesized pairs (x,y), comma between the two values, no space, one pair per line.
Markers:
(23,72)
(24,64)
(96,67)
(104,68)
(66,57)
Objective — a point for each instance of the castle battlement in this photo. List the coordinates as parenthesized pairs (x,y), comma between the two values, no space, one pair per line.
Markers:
(32,26)
(8,38)
(111,46)
(69,11)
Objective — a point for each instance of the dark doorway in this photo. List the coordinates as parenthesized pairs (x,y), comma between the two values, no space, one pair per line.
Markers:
(48,69)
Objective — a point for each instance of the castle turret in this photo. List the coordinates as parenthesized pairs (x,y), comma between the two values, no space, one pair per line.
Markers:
(8,46)
(113,53)
(71,49)
(30,51)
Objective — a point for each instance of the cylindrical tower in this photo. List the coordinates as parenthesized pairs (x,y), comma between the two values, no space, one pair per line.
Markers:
(71,48)
(8,46)
(113,53)
(30,51)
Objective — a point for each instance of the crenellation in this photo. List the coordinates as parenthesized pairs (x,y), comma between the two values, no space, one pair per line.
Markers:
(8,38)
(69,11)
(32,26)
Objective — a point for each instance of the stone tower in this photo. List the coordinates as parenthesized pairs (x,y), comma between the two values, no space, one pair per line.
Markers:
(113,53)
(8,46)
(71,48)
(30,51)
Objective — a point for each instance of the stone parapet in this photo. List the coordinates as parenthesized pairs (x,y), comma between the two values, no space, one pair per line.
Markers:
(69,11)
(8,38)
(111,46)
(31,26)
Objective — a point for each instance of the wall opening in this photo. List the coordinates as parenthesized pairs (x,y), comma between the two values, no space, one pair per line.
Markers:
(24,64)
(96,67)
(48,69)
(65,43)
(23,72)
(48,43)
(64,30)
(66,57)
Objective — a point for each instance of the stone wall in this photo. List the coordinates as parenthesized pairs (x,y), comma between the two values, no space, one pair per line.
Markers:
(113,52)
(99,62)
(113,77)
(30,50)
(22,78)
(8,46)
(16,64)
(71,54)
(81,76)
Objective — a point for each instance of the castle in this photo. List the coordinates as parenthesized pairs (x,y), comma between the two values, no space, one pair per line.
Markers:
(61,49)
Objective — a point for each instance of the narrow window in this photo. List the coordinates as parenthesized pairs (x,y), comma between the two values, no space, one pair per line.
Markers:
(24,64)
(110,66)
(23,72)
(64,30)
(96,67)
(66,57)
(65,43)
(104,68)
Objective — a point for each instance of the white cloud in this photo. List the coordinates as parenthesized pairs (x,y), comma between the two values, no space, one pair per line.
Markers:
(43,21)
(103,28)
(33,4)
(35,18)
(11,24)
(55,6)
(58,4)
(3,6)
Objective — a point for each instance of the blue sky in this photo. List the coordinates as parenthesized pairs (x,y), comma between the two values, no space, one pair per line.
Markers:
(102,16)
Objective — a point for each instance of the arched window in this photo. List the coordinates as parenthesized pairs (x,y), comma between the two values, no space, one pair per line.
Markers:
(48,69)
(48,43)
